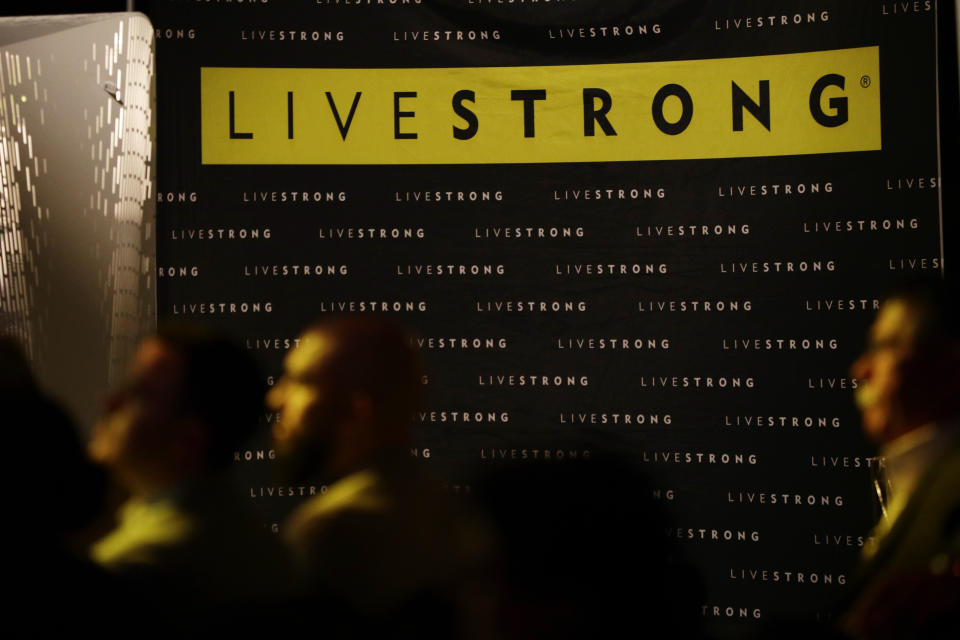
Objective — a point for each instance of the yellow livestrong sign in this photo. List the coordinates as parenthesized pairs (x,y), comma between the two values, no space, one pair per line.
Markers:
(819,102)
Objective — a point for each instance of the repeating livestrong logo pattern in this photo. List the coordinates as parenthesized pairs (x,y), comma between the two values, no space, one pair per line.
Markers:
(663,227)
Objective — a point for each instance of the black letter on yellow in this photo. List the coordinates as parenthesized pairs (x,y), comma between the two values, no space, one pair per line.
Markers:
(742,101)
(290,115)
(672,128)
(397,114)
(472,123)
(838,104)
(592,116)
(528,96)
(344,128)
(233,132)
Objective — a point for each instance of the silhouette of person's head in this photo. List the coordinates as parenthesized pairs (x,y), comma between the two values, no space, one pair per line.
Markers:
(15,373)
(347,395)
(191,397)
(43,428)
(585,553)
(909,374)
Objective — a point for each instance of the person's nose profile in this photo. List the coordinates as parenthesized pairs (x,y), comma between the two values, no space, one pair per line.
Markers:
(274,396)
(860,369)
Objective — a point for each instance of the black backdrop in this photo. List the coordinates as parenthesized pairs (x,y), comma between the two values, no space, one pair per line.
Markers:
(594,383)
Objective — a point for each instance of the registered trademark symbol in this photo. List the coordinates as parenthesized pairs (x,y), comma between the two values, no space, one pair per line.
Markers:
(864,81)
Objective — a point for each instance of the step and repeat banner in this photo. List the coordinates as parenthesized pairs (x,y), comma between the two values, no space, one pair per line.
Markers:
(665,226)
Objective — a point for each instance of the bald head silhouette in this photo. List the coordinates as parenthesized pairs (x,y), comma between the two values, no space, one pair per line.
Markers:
(909,374)
(348,394)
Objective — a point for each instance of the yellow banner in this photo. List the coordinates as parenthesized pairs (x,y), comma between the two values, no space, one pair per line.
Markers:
(819,102)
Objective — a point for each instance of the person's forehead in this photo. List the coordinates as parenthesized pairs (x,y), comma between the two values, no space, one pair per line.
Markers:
(157,362)
(897,319)
(308,359)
